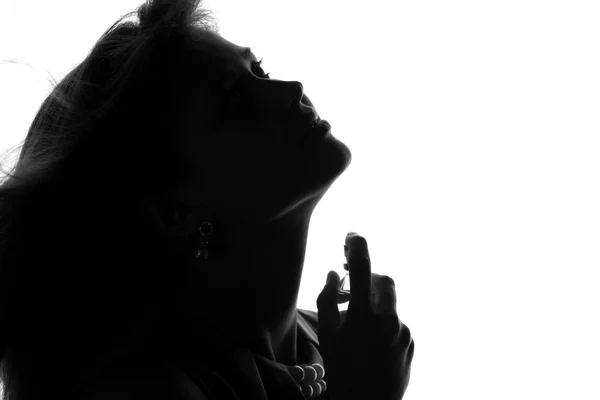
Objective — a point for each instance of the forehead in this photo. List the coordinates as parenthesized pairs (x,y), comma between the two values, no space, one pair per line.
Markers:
(226,57)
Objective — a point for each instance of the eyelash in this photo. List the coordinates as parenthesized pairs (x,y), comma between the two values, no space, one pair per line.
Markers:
(259,65)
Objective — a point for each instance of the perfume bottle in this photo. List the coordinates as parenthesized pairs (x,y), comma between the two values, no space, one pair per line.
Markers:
(344,289)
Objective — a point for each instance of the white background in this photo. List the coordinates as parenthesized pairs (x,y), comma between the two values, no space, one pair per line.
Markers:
(474,128)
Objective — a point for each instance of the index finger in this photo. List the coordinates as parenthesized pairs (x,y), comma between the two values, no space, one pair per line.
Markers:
(359,265)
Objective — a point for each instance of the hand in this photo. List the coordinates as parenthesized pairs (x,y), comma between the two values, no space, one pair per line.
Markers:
(368,354)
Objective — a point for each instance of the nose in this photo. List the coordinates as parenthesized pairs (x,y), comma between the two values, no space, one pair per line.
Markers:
(290,99)
(299,99)
(282,96)
(297,93)
(301,96)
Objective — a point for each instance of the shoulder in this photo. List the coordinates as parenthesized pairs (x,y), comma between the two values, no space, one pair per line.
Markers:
(311,317)
(142,382)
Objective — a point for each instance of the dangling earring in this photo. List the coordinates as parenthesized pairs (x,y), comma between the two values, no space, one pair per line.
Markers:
(206,230)
(197,225)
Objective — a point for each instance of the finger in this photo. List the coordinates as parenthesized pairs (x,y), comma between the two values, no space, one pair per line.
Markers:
(405,338)
(343,315)
(384,293)
(328,313)
(359,264)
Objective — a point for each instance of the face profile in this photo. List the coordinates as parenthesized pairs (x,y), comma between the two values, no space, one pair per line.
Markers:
(255,139)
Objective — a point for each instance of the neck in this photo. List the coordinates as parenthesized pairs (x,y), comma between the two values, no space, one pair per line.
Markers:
(248,287)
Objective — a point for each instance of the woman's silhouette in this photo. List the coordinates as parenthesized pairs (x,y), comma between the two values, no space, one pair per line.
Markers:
(154,230)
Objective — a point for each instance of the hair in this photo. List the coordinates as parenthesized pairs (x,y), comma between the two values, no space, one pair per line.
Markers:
(79,267)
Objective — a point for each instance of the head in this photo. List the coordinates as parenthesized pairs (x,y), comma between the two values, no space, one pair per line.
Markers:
(240,140)
(162,108)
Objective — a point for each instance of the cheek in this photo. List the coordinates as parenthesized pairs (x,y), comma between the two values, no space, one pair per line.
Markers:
(254,165)
(244,160)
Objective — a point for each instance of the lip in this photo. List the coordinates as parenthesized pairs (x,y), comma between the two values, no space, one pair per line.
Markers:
(312,118)
(321,129)
(307,116)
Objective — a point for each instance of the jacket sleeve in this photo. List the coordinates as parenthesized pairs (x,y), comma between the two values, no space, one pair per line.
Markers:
(164,383)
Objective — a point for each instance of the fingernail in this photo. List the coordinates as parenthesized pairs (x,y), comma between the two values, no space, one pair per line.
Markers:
(351,233)
(345,251)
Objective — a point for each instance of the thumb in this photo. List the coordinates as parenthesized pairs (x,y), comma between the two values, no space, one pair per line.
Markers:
(327,306)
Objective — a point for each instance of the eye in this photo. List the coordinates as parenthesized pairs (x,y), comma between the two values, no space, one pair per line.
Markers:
(262,73)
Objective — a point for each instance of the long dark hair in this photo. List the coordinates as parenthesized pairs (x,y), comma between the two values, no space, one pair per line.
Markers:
(79,268)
